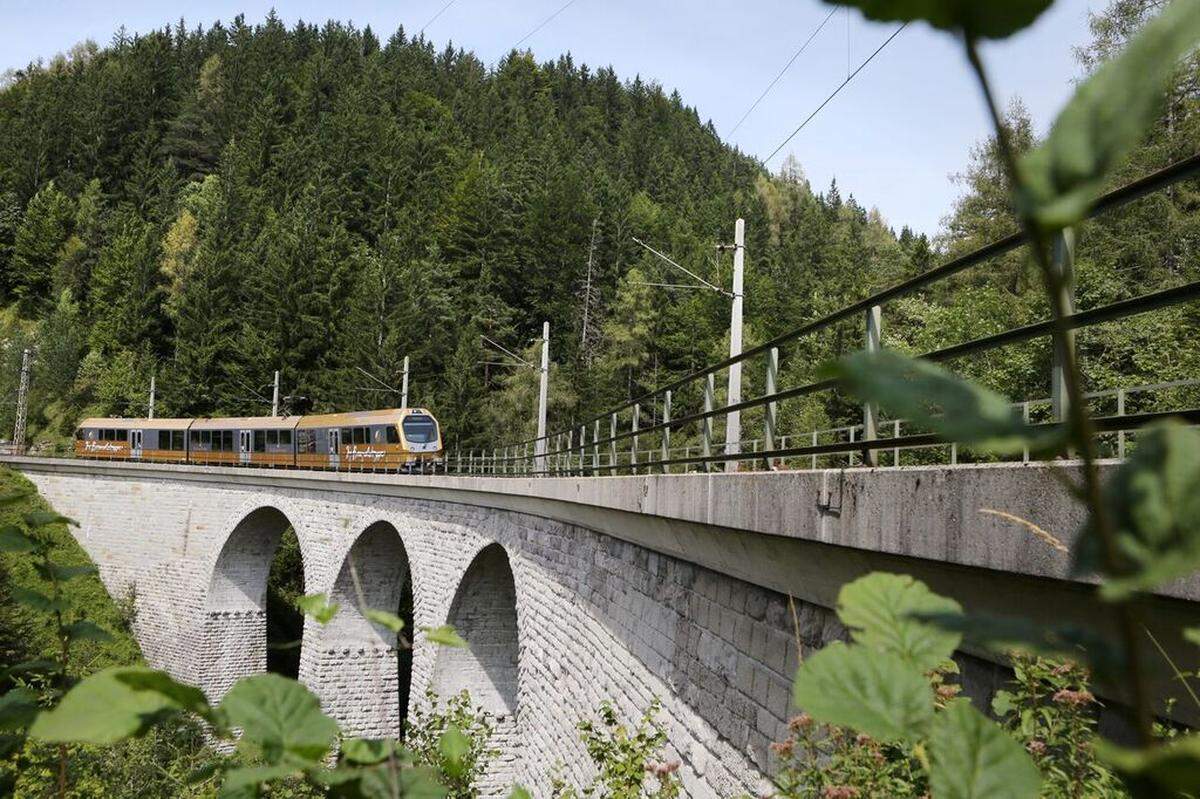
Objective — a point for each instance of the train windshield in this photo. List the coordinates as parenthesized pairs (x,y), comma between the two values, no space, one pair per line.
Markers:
(419,429)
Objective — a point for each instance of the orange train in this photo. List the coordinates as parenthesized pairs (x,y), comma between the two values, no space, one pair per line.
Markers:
(393,440)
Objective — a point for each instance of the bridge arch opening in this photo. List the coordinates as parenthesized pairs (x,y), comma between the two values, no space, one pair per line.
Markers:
(242,613)
(359,669)
(484,612)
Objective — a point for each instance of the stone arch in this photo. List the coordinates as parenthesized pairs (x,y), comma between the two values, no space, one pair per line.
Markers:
(484,612)
(353,664)
(234,635)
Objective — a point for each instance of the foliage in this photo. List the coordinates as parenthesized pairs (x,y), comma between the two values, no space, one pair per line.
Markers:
(1050,710)
(629,762)
(454,739)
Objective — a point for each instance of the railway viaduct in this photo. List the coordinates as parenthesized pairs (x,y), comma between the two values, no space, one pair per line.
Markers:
(701,590)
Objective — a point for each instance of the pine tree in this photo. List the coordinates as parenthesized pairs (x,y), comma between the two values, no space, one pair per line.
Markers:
(36,247)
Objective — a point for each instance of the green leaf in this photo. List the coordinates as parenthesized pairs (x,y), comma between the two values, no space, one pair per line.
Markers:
(41,518)
(1105,119)
(1002,704)
(974,758)
(1192,635)
(518,792)
(989,19)
(389,620)
(239,779)
(18,708)
(37,600)
(187,697)
(67,573)
(1153,504)
(880,611)
(13,540)
(84,630)
(39,666)
(280,716)
(382,782)
(454,747)
(318,607)
(367,752)
(104,709)
(444,636)
(927,395)
(870,691)
(1005,634)
(1170,769)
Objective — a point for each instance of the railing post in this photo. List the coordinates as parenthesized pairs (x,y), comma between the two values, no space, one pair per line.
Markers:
(471,461)
(771,419)
(896,450)
(637,412)
(1121,433)
(557,454)
(706,428)
(582,449)
(596,448)
(1063,264)
(666,434)
(1025,416)
(612,447)
(814,443)
(874,329)
(850,455)
(570,448)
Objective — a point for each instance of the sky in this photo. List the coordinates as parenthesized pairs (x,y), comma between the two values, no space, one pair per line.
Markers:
(892,138)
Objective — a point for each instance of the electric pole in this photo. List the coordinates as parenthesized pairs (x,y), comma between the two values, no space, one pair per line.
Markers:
(150,407)
(22,402)
(543,395)
(275,396)
(733,420)
(404,385)
(589,299)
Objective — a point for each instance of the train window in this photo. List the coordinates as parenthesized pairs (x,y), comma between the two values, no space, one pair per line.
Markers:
(227,440)
(419,429)
(272,438)
(260,440)
(285,438)
(393,435)
(79,434)
(306,441)
(360,435)
(347,436)
(377,435)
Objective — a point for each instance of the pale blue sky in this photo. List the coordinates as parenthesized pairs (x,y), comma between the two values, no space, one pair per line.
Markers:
(891,138)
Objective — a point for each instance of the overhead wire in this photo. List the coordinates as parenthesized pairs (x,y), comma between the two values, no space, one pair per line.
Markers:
(543,23)
(841,86)
(782,72)
(433,19)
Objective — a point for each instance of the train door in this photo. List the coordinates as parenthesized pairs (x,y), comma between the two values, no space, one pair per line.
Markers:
(335,446)
(135,443)
(245,441)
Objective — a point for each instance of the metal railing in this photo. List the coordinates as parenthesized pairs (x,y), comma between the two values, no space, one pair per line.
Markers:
(611,443)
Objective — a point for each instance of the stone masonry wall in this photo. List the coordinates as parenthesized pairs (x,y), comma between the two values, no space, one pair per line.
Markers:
(596,618)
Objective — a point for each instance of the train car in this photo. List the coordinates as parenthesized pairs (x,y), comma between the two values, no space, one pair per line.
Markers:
(395,439)
(133,439)
(244,441)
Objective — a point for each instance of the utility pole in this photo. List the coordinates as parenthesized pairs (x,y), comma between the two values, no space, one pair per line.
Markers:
(22,402)
(543,396)
(275,396)
(150,408)
(733,420)
(589,298)
(404,385)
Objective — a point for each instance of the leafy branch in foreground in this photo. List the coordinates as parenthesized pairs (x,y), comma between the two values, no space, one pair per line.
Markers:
(1144,530)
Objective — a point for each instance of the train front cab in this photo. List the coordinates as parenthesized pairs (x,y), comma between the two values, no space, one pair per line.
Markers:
(163,440)
(395,439)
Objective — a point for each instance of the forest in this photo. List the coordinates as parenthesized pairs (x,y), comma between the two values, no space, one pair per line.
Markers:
(208,205)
